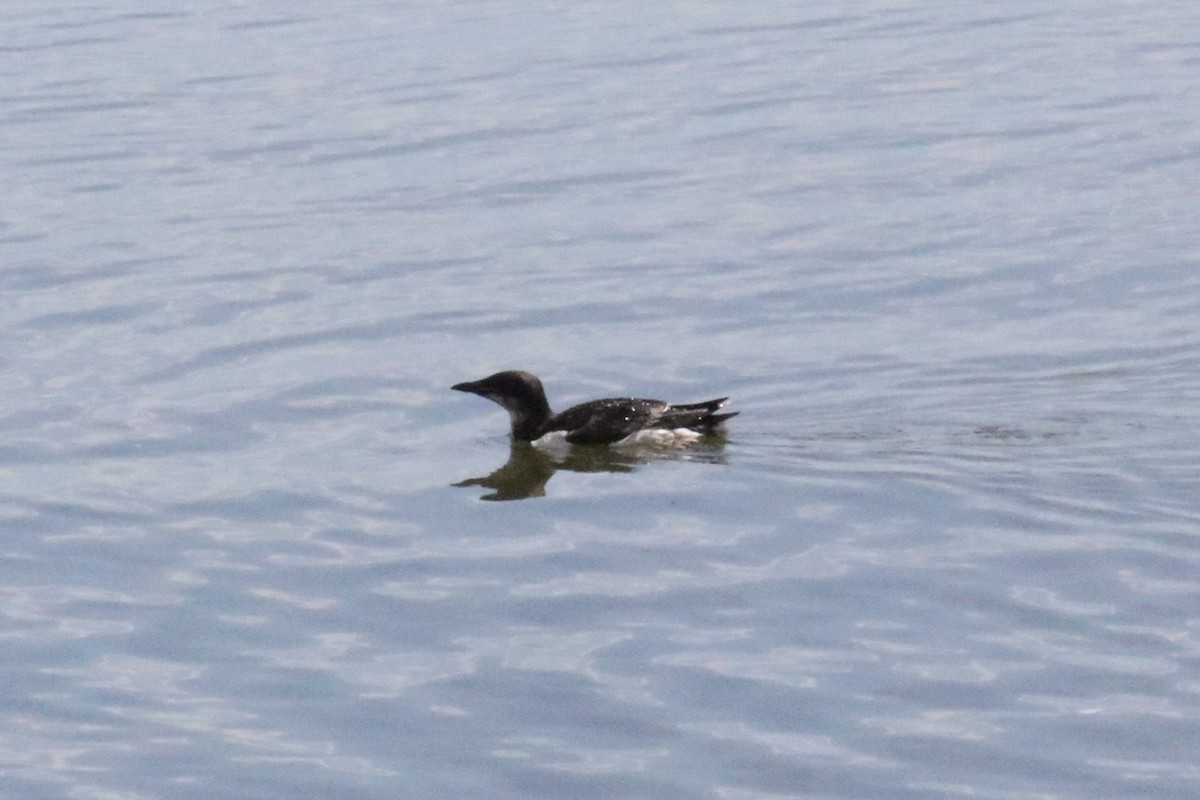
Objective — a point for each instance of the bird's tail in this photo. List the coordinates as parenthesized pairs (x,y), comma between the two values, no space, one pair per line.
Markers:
(700,417)
(708,405)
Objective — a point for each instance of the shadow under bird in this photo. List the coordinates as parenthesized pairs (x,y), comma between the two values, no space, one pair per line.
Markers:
(609,421)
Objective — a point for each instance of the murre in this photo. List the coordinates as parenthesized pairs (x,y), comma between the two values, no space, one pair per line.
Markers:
(611,421)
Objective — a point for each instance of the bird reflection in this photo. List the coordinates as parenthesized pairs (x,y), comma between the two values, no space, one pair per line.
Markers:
(529,468)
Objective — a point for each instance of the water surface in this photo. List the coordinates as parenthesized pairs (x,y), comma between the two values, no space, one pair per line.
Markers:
(943,259)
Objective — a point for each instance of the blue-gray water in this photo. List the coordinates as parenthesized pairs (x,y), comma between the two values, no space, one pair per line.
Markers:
(945,258)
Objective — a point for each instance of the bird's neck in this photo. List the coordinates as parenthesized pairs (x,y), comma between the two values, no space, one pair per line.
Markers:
(528,428)
(529,422)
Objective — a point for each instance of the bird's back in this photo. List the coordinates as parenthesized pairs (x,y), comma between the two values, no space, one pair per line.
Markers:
(616,418)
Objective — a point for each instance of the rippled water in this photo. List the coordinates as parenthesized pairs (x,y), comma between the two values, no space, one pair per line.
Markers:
(943,258)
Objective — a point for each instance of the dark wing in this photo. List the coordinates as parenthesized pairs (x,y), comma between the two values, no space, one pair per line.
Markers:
(699,417)
(607,421)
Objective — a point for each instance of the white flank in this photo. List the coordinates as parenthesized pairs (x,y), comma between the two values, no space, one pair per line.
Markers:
(554,440)
(657,437)
(661,437)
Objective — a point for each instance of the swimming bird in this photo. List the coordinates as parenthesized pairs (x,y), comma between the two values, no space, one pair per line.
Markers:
(609,421)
